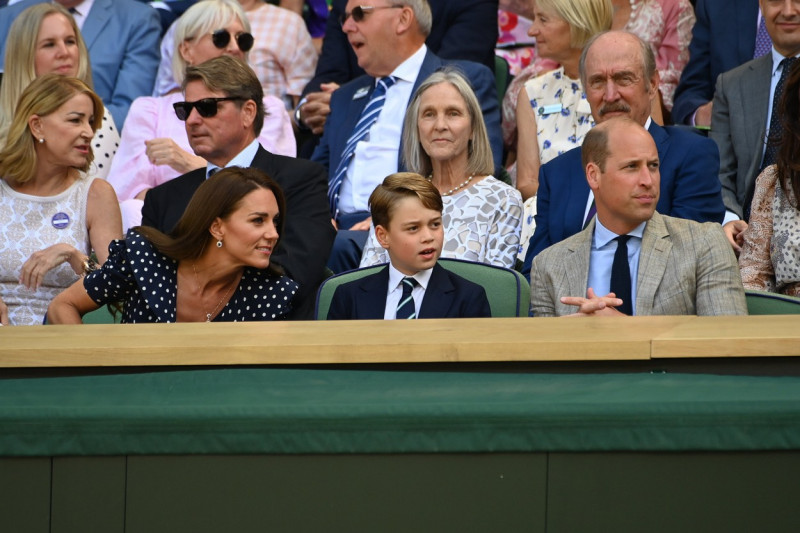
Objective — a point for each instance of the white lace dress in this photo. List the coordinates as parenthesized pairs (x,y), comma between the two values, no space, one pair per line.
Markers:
(33,223)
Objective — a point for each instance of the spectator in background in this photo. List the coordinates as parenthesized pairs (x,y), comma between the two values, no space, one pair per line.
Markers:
(459,31)
(52,215)
(725,35)
(45,39)
(154,147)
(631,260)
(444,138)
(224,112)
(618,71)
(122,39)
(770,258)
(746,122)
(282,54)
(363,140)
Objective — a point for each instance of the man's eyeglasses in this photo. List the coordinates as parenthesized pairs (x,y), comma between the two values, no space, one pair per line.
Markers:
(222,37)
(207,107)
(359,12)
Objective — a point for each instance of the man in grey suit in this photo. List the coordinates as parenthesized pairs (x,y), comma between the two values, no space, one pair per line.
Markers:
(743,107)
(678,266)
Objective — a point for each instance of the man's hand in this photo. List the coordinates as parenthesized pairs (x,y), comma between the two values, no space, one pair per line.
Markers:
(594,305)
(314,112)
(362,226)
(702,117)
(164,151)
(734,231)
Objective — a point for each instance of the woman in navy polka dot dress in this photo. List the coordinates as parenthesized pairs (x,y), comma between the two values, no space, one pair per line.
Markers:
(215,266)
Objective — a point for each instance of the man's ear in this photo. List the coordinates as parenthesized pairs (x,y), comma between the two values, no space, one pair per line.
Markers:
(383,236)
(407,18)
(249,109)
(593,175)
(653,84)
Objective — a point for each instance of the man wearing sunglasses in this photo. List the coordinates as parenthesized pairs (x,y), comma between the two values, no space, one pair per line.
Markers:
(389,40)
(224,113)
(459,30)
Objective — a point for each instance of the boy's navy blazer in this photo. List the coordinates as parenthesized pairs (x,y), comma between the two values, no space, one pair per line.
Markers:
(448,296)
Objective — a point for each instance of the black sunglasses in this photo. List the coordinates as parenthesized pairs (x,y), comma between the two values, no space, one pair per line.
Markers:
(222,37)
(359,12)
(207,107)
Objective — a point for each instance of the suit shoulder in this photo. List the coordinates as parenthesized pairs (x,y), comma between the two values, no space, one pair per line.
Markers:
(678,226)
(688,139)
(746,69)
(189,180)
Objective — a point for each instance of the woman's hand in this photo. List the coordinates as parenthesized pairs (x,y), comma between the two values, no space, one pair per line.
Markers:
(164,151)
(3,313)
(43,261)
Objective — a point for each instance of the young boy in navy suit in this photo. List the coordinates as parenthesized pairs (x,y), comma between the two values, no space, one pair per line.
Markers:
(407,214)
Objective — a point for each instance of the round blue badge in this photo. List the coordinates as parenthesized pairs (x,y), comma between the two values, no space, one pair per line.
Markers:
(60,220)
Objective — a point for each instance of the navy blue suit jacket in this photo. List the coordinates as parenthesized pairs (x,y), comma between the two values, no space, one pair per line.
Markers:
(346,109)
(459,31)
(690,187)
(122,37)
(723,38)
(447,296)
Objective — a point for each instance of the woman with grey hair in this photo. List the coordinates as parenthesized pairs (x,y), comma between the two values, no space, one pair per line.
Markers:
(445,139)
(154,147)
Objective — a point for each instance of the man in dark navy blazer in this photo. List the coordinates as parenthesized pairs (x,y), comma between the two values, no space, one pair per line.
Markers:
(620,79)
(389,41)
(458,31)
(229,138)
(407,210)
(723,38)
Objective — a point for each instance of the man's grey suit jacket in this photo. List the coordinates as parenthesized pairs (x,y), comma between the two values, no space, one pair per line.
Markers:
(685,268)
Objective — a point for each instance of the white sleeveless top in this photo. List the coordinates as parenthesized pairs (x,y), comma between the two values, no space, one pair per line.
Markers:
(32,223)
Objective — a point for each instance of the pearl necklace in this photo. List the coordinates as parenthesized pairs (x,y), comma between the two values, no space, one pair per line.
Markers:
(224,297)
(454,189)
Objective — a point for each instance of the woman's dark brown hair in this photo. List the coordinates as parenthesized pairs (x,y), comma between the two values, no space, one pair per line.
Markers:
(787,160)
(217,197)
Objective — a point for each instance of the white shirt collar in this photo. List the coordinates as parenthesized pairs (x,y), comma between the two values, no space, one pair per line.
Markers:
(243,159)
(603,235)
(409,69)
(396,277)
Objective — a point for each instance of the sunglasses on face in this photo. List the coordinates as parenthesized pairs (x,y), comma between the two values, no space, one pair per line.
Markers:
(222,37)
(207,107)
(359,12)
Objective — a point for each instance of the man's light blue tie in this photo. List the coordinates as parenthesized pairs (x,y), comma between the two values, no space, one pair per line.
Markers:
(405,308)
(368,117)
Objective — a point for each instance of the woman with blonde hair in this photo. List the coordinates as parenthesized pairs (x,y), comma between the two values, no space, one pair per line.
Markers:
(52,215)
(154,147)
(45,39)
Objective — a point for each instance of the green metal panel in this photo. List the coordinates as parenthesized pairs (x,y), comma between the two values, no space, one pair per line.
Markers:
(88,495)
(25,495)
(667,492)
(313,493)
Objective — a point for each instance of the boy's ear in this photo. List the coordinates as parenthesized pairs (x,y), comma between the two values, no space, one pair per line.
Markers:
(383,236)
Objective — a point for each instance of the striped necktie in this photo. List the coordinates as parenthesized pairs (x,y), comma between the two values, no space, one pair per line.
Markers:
(405,308)
(368,117)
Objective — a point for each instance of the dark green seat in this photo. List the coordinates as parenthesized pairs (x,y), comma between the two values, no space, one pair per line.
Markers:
(507,290)
(771,303)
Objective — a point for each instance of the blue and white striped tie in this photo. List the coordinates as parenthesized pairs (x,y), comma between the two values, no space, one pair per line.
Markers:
(405,308)
(368,117)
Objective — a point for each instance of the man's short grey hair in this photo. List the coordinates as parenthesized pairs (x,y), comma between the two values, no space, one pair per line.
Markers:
(422,12)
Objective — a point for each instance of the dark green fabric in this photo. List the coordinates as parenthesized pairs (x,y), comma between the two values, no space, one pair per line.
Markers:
(237,411)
